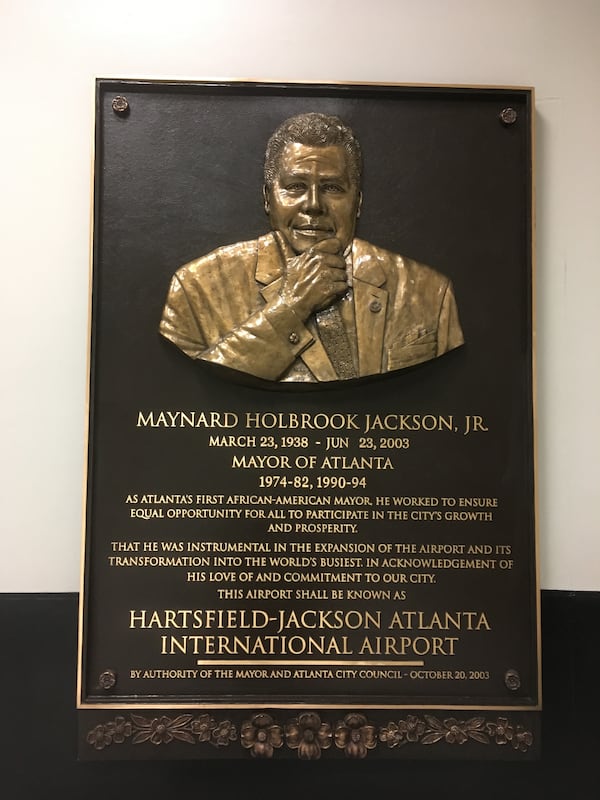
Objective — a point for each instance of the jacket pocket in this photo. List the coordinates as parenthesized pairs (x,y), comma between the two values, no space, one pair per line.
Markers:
(412,349)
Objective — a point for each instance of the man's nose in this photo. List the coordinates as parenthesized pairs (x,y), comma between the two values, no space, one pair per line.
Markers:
(312,200)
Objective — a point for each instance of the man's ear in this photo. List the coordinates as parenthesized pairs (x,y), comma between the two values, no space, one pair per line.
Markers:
(265,193)
(359,205)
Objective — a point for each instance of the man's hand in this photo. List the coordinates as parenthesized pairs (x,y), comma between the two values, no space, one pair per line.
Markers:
(313,280)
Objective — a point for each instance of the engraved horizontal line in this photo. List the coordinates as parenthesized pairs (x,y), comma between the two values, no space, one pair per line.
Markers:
(266,663)
(126,704)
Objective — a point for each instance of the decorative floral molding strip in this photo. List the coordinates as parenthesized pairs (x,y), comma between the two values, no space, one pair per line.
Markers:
(261,735)
(163,730)
(431,730)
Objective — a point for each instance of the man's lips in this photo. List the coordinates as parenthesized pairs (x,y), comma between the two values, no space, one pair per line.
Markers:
(312,229)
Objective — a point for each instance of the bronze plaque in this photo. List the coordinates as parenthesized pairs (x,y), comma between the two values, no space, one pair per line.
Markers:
(310,519)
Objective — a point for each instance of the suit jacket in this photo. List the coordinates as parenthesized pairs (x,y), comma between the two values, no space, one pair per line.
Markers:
(225,308)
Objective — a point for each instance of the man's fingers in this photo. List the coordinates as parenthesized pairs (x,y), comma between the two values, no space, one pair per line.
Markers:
(333,275)
(313,280)
(321,262)
(327,246)
(335,285)
(317,264)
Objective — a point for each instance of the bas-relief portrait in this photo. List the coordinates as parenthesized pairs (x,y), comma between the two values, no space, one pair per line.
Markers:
(308,301)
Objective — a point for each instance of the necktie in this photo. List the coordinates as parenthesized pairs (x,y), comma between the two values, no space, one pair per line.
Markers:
(335,341)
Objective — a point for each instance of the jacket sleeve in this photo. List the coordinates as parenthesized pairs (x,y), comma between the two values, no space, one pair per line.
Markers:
(229,324)
(450,333)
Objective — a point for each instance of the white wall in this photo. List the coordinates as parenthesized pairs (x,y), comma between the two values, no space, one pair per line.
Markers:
(50,52)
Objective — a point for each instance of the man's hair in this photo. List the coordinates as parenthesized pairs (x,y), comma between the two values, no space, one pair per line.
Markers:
(315,130)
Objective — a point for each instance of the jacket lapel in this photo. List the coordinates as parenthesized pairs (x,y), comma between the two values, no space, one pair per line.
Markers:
(370,307)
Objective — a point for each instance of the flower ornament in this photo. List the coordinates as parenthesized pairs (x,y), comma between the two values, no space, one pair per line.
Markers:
(522,739)
(412,728)
(224,733)
(261,735)
(450,730)
(501,730)
(391,735)
(355,736)
(454,733)
(99,737)
(308,735)
(409,730)
(162,730)
(203,727)
(119,729)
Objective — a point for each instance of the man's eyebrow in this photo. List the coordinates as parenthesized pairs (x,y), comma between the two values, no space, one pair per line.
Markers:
(297,172)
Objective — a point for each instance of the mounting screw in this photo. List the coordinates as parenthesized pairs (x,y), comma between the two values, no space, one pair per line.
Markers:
(512,680)
(120,104)
(508,116)
(107,679)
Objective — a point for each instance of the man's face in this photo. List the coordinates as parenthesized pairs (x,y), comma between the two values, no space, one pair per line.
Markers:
(313,197)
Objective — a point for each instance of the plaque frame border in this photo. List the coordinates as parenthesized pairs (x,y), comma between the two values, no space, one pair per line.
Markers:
(88,710)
